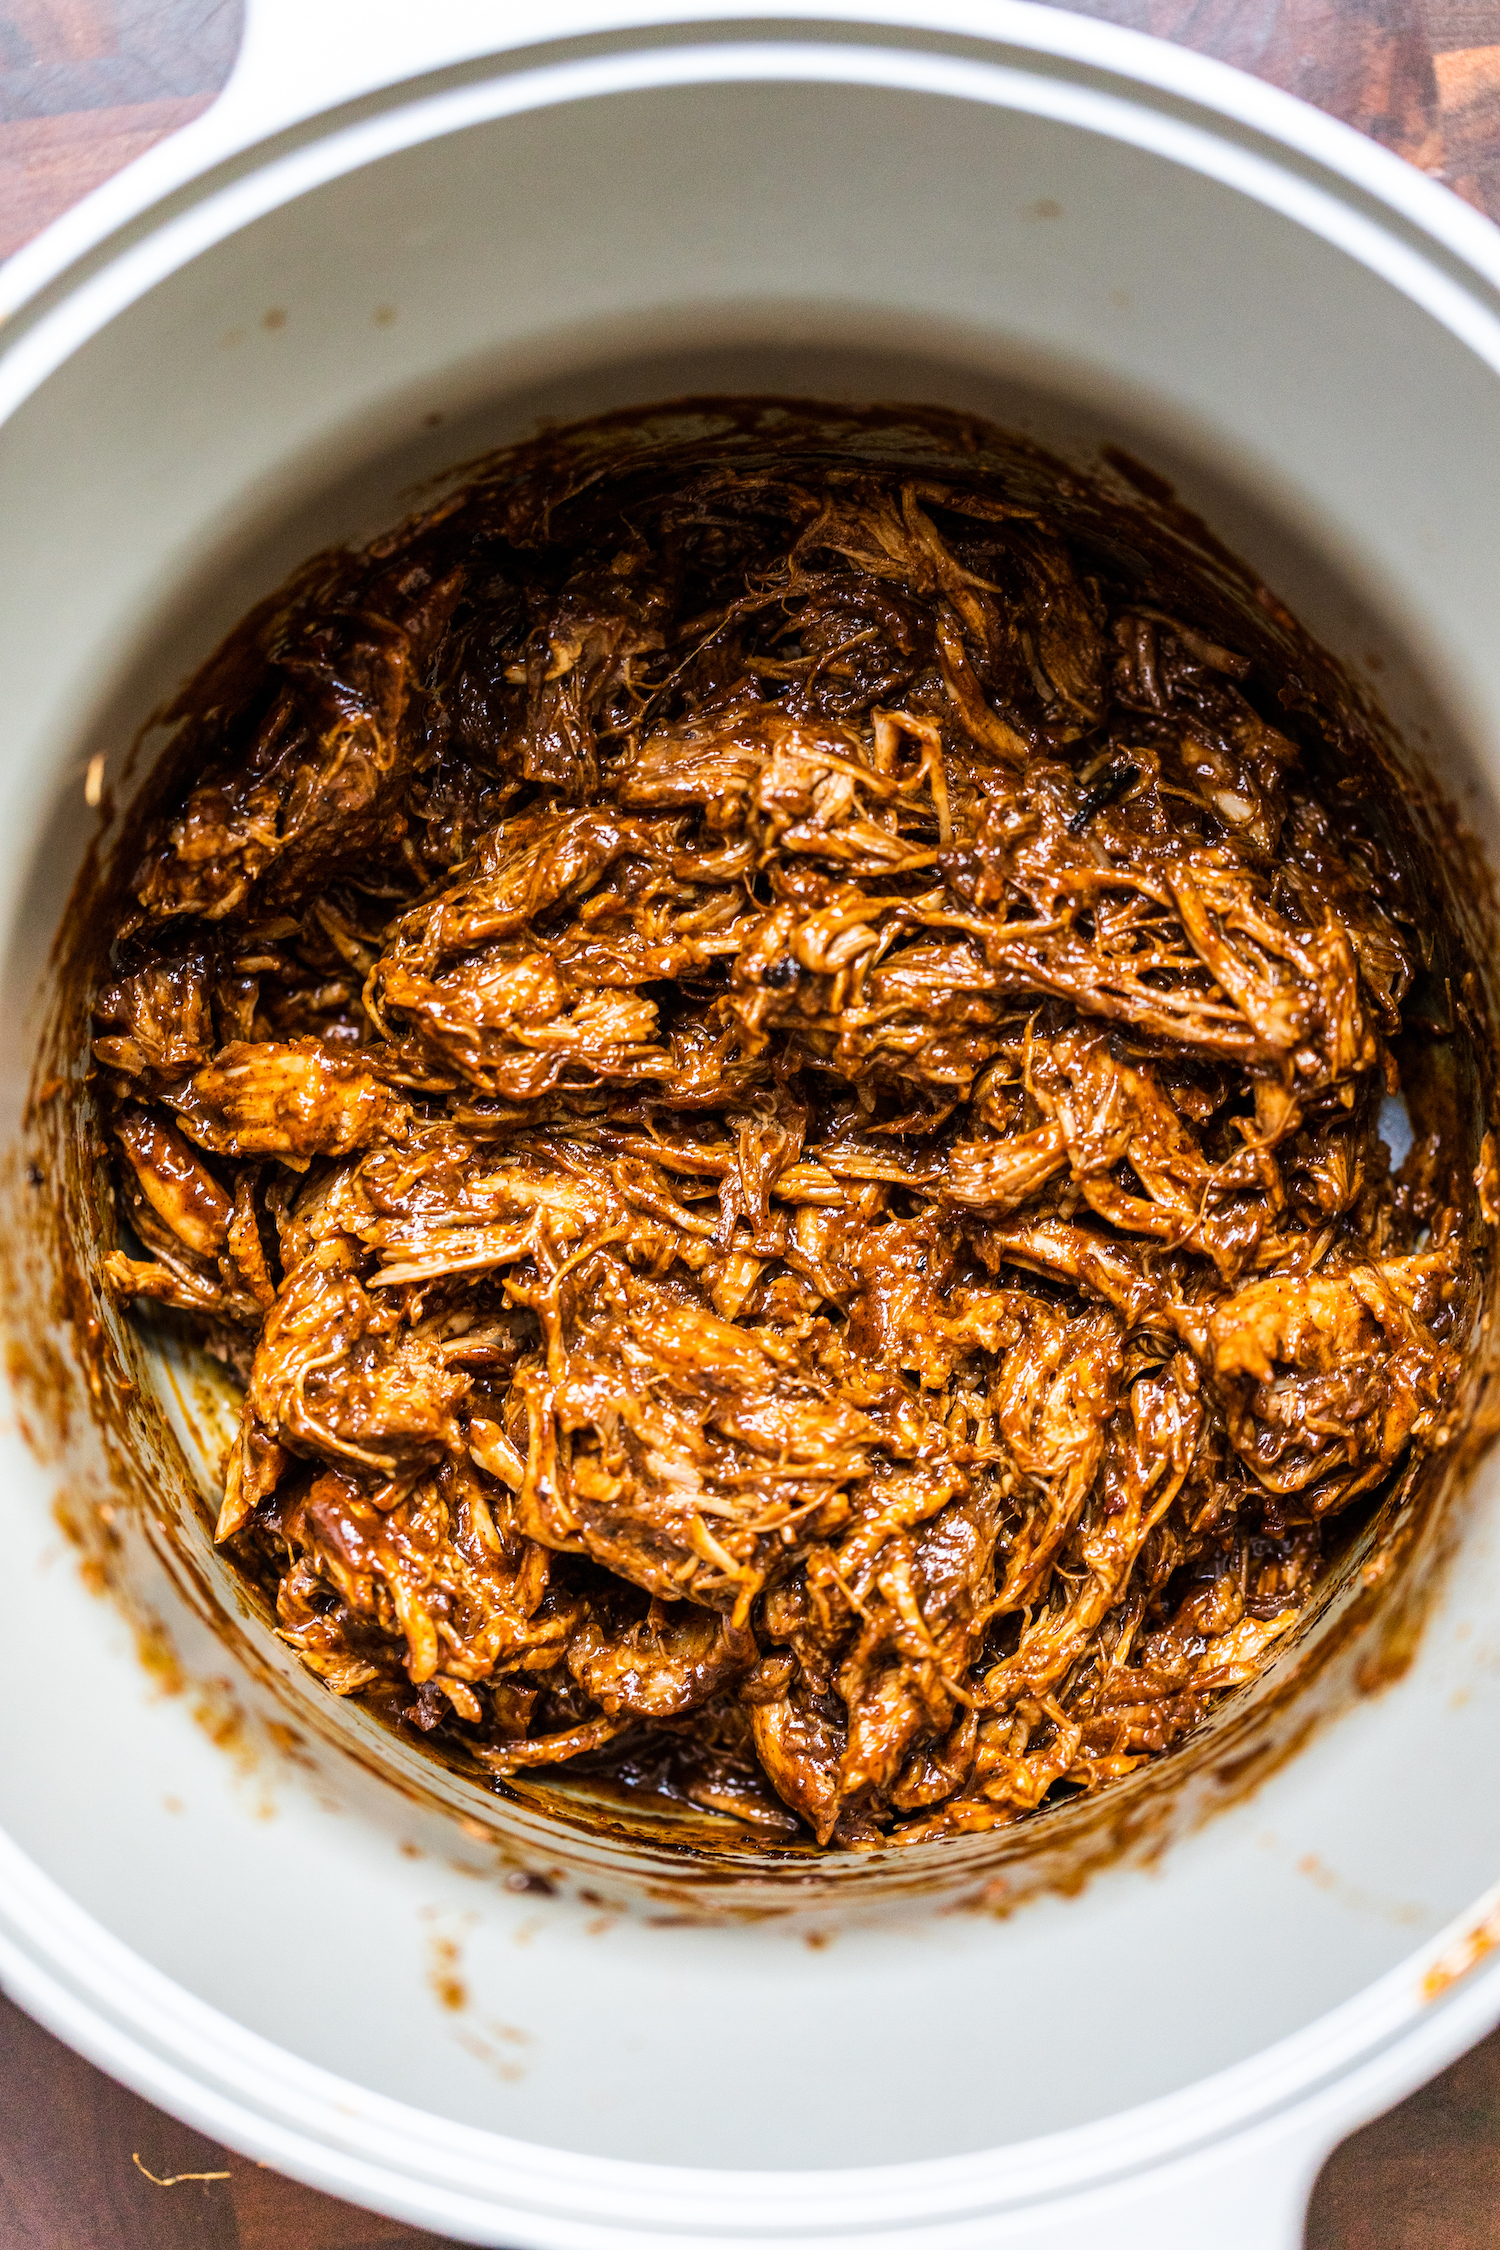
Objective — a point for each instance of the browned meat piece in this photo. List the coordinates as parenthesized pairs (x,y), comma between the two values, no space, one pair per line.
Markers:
(510,1021)
(682,1450)
(1003,1175)
(1322,1373)
(676,1657)
(157,1020)
(801,1748)
(768,1043)
(302,779)
(175,1183)
(338,1375)
(164,1281)
(434,1570)
(552,1749)
(295,1101)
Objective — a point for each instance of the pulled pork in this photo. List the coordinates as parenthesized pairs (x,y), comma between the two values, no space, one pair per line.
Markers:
(771,1076)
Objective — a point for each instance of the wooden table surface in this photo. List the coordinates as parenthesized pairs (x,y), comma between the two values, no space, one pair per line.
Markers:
(85,85)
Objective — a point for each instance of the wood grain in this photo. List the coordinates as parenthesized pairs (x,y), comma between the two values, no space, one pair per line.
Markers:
(1422,76)
(1425,2177)
(85,85)
(69,2138)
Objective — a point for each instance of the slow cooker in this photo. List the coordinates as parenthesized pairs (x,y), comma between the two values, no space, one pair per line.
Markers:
(403,235)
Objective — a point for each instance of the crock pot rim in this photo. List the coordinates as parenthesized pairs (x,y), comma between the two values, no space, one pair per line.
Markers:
(1331,2074)
(148,2031)
(258,129)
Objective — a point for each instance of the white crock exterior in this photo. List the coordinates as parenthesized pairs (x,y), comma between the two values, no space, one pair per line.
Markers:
(1227,2158)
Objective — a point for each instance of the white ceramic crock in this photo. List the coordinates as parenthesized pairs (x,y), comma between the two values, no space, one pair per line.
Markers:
(403,232)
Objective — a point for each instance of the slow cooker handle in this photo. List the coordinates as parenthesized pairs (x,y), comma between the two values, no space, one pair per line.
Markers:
(1249,2194)
(298,57)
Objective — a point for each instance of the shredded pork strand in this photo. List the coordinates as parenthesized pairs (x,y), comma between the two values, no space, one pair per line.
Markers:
(772,1081)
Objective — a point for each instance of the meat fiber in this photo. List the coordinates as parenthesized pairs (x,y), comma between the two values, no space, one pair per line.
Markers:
(772,1073)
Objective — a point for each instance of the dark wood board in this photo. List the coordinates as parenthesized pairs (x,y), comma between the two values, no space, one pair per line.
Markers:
(85,85)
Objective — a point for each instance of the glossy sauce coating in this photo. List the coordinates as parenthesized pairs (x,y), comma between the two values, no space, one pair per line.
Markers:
(771,1074)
